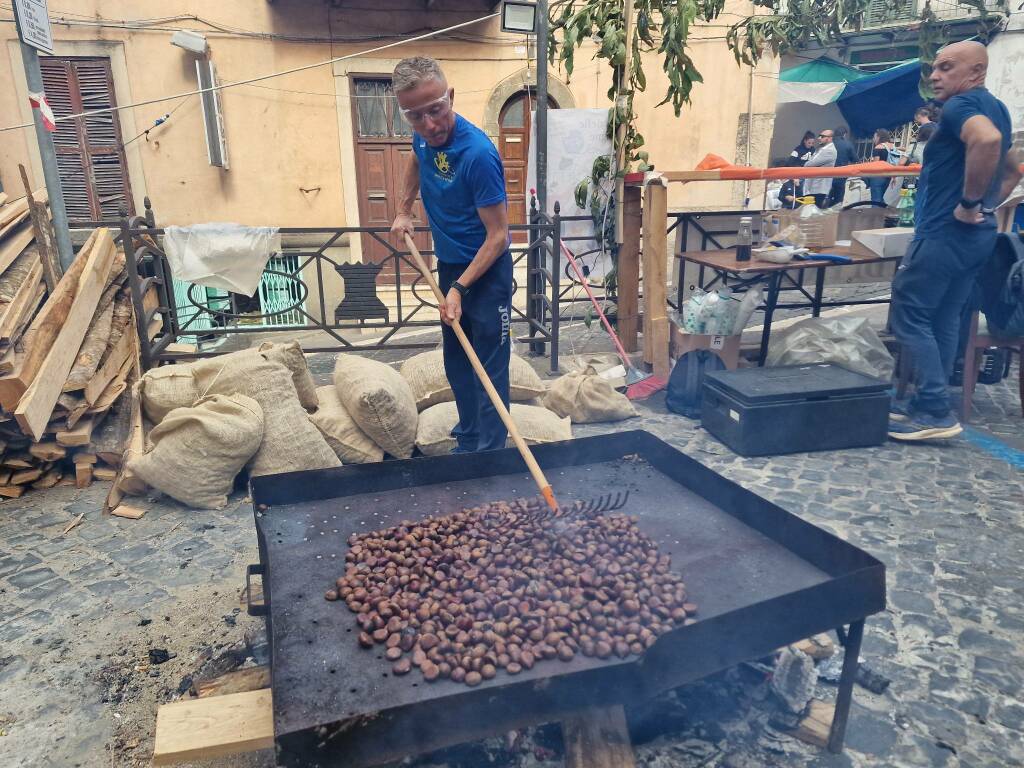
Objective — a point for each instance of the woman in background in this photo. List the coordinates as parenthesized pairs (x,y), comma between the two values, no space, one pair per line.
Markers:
(803,151)
(883,146)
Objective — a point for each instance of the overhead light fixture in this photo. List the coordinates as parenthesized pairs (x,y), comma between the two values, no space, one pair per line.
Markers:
(519,17)
(193,42)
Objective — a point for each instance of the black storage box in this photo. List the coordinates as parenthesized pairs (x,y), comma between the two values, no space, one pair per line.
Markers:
(794,408)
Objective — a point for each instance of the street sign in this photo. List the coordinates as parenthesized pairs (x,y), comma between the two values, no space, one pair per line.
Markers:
(33,23)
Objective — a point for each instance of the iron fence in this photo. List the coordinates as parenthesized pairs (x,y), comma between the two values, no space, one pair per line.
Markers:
(389,296)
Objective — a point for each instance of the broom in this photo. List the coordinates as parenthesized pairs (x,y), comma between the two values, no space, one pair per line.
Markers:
(639,385)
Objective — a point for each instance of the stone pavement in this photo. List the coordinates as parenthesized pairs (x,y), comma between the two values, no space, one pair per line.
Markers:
(80,612)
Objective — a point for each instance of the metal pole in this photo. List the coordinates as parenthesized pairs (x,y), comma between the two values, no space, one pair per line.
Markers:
(48,155)
(542,109)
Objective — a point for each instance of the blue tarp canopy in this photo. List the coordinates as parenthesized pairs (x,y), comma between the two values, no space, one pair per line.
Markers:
(882,100)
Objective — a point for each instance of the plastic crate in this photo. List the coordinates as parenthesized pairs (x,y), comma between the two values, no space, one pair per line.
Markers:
(818,231)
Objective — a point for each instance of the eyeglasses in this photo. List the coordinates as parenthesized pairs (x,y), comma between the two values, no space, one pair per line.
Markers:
(435,110)
(824,135)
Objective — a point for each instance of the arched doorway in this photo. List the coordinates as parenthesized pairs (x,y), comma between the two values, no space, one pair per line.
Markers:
(514,147)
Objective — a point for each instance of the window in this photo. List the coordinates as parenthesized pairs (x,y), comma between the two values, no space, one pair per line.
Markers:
(90,152)
(377,111)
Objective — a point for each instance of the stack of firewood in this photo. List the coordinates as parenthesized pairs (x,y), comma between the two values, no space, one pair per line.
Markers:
(68,352)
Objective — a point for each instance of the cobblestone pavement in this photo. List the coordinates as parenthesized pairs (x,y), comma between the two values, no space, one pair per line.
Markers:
(79,612)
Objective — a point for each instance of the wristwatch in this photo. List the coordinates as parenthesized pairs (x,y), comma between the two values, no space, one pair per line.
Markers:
(965,203)
(463,290)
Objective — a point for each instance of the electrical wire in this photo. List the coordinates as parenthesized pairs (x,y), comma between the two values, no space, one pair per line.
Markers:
(158,122)
(260,78)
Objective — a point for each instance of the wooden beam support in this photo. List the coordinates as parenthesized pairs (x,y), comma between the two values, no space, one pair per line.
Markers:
(36,405)
(200,729)
(655,265)
(45,240)
(598,738)
(628,273)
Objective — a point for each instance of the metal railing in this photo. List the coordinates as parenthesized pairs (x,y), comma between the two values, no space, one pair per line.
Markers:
(292,298)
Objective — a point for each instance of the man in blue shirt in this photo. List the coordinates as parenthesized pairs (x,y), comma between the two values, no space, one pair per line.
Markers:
(457,171)
(968,170)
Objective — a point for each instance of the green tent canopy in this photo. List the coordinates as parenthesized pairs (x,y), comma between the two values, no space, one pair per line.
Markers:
(819,82)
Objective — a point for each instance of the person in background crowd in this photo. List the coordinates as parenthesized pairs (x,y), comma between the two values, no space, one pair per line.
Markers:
(915,155)
(791,188)
(804,149)
(825,157)
(883,145)
(969,169)
(845,155)
(924,115)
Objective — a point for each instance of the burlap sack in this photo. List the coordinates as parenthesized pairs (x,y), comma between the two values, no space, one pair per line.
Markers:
(173,386)
(167,388)
(585,397)
(536,425)
(341,432)
(425,374)
(197,451)
(290,441)
(379,401)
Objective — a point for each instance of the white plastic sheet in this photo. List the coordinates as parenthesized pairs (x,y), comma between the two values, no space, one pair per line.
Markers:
(231,257)
(847,341)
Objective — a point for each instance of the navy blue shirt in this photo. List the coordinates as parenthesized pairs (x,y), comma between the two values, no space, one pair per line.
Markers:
(942,173)
(456,179)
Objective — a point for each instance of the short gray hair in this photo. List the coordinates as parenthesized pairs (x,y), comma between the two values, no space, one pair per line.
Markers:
(412,71)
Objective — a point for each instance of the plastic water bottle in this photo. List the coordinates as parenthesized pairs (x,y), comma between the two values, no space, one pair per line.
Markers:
(905,207)
(744,239)
(767,231)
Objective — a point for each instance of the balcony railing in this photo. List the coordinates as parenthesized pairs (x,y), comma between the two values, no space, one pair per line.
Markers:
(895,13)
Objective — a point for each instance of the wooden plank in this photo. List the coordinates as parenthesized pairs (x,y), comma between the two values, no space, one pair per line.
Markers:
(48,451)
(238,681)
(200,729)
(37,403)
(628,271)
(85,457)
(114,389)
(598,738)
(814,729)
(45,239)
(11,491)
(127,481)
(83,475)
(40,337)
(80,435)
(179,348)
(5,476)
(132,513)
(655,264)
(48,480)
(26,476)
(104,473)
(19,461)
(12,246)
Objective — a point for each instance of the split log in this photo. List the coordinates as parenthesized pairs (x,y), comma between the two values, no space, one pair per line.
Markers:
(132,513)
(80,435)
(26,476)
(94,346)
(37,403)
(11,491)
(15,241)
(111,441)
(19,312)
(126,351)
(85,457)
(13,280)
(48,480)
(104,473)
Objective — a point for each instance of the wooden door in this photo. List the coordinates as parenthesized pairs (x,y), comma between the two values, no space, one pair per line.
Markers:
(90,151)
(383,149)
(514,147)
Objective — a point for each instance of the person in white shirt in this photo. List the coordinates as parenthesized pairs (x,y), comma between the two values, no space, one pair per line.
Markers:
(824,157)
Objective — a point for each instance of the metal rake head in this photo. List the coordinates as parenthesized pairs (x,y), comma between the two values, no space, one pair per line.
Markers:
(607,503)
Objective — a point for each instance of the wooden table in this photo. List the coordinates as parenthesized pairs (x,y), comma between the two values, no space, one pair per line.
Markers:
(776,277)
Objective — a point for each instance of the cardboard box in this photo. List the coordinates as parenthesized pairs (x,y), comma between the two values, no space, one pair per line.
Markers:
(889,243)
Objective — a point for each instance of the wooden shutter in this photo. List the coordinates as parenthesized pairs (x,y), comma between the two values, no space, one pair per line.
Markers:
(90,152)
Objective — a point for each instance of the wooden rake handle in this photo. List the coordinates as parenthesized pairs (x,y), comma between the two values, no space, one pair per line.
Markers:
(499,406)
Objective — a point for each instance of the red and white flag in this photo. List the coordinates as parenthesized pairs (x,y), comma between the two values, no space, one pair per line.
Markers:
(38,101)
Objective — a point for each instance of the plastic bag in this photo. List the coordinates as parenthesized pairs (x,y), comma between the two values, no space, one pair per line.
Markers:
(847,341)
(710,312)
(226,256)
